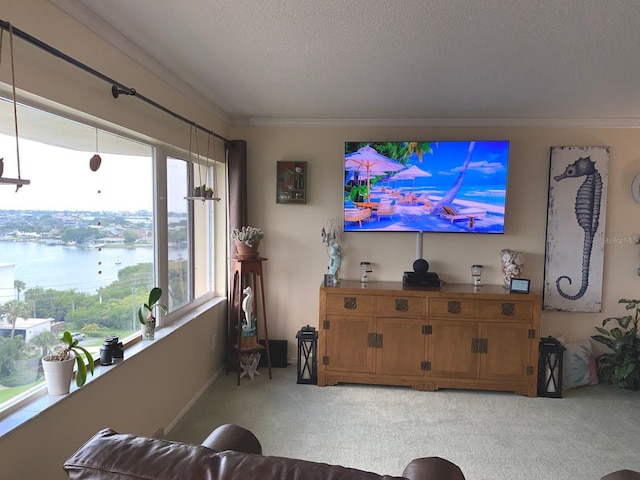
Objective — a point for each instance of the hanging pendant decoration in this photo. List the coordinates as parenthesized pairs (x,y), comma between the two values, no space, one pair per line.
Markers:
(18,182)
(96,160)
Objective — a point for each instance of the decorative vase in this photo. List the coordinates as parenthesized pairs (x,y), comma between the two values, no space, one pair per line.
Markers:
(512,265)
(245,251)
(58,374)
(149,329)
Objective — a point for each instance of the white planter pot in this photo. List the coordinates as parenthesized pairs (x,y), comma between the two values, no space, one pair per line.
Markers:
(149,330)
(58,375)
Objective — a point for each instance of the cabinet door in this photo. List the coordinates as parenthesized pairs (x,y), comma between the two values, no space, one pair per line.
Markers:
(346,348)
(450,348)
(508,351)
(401,347)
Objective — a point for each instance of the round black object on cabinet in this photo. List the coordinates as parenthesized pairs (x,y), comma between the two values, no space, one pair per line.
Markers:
(421,266)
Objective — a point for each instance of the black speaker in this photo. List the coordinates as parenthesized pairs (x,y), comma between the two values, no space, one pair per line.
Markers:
(278,351)
(419,279)
(421,265)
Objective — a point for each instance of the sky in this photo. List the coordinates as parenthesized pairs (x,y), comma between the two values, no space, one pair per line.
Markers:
(61,179)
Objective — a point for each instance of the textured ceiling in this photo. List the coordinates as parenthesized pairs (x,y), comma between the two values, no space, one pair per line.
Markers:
(278,60)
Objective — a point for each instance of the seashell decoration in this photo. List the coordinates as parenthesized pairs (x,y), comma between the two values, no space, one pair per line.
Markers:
(512,265)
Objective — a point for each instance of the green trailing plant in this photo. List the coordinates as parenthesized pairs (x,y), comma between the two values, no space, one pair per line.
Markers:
(145,311)
(248,235)
(622,364)
(64,353)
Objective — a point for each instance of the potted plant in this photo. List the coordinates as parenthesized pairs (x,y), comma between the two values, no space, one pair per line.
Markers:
(203,191)
(58,367)
(146,313)
(622,364)
(247,240)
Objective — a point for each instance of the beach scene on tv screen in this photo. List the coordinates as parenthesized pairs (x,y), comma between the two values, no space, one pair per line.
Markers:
(447,186)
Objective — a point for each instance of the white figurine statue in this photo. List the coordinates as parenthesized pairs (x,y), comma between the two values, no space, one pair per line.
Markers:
(247,307)
(334,260)
(331,234)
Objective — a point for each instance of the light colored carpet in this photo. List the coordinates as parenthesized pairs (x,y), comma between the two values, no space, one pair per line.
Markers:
(590,432)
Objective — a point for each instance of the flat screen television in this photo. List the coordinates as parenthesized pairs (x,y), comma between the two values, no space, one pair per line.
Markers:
(425,186)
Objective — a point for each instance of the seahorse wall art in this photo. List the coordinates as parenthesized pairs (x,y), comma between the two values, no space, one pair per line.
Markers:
(574,278)
(587,214)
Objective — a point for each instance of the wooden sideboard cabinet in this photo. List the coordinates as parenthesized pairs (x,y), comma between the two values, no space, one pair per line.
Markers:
(456,337)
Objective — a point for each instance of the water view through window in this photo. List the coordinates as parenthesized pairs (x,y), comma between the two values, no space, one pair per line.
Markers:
(76,246)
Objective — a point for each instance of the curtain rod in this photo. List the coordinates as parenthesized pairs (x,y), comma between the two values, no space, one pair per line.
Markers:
(117,88)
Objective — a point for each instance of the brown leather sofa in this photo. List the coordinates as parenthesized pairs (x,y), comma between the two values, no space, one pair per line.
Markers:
(230,452)
(622,475)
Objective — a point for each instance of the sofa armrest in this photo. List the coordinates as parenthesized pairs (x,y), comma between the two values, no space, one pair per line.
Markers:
(432,468)
(622,475)
(233,437)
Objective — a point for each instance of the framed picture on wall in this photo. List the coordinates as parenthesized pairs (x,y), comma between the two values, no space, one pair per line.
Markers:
(576,214)
(291,182)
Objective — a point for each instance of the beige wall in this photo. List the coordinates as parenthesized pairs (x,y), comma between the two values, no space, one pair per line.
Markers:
(297,260)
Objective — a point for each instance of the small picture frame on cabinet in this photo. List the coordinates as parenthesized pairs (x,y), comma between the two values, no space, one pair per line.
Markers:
(519,285)
(328,280)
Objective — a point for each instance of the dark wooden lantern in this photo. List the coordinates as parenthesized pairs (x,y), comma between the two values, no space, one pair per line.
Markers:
(307,355)
(550,352)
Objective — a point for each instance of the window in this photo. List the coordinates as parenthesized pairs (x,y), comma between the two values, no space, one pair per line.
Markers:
(178,232)
(81,249)
(189,232)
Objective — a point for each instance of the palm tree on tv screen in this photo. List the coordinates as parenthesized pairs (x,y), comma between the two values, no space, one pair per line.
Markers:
(453,191)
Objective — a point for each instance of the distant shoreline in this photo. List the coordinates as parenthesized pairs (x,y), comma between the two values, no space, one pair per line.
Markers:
(84,246)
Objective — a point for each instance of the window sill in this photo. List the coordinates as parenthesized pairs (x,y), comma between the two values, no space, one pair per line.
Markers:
(38,401)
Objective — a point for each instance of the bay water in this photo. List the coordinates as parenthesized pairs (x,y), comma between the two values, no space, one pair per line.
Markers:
(68,267)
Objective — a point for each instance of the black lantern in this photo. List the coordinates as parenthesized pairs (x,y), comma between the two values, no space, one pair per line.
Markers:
(550,367)
(307,355)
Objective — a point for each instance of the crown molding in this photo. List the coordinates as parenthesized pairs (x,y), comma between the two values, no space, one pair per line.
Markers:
(442,122)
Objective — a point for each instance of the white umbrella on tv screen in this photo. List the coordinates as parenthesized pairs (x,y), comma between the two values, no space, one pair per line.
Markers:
(368,160)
